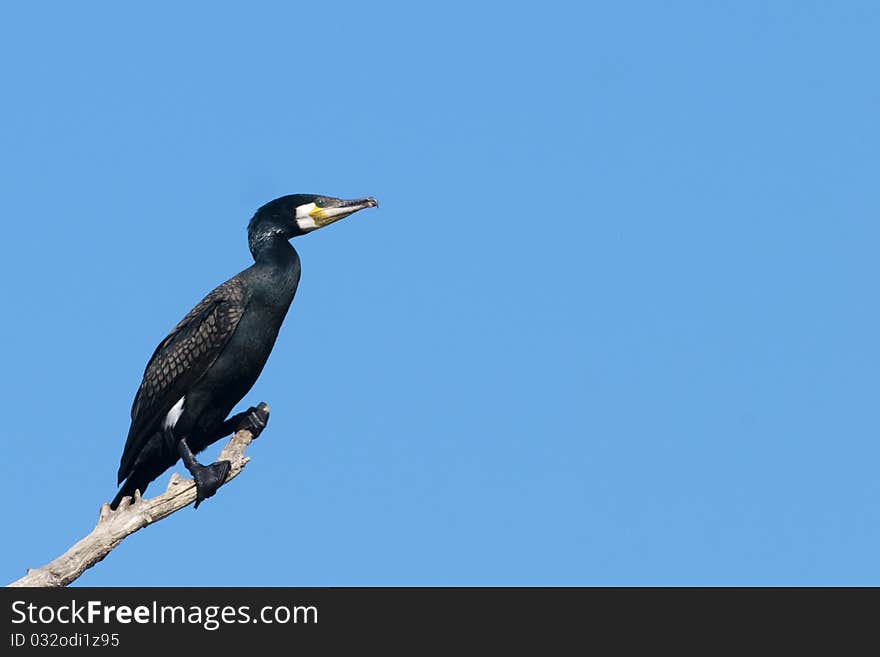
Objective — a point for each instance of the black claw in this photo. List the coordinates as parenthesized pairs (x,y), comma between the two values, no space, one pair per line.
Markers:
(255,419)
(209,478)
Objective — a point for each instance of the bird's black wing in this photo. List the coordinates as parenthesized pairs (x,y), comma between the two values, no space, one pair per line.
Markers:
(181,360)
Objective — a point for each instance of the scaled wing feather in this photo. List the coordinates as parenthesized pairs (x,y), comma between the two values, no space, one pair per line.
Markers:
(180,361)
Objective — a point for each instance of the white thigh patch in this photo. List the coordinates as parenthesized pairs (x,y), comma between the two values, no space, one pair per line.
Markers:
(174,414)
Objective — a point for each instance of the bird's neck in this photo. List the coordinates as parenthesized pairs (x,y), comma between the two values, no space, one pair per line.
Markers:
(274,252)
(276,272)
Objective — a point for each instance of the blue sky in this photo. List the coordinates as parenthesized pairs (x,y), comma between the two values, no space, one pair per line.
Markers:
(614,322)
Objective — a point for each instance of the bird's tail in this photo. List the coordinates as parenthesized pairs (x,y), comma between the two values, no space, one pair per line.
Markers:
(135,481)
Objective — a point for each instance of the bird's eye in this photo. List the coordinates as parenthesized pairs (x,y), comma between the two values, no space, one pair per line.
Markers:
(319,202)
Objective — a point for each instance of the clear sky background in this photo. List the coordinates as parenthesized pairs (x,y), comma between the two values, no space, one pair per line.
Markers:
(615,321)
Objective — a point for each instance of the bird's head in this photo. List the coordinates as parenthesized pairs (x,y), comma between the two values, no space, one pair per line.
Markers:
(298,214)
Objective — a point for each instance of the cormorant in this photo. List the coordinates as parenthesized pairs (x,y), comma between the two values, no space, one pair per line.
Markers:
(210,360)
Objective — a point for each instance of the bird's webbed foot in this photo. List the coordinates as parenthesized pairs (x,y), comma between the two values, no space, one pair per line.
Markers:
(253,419)
(208,478)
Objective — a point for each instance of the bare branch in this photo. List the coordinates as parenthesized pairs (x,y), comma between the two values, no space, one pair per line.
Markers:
(129,517)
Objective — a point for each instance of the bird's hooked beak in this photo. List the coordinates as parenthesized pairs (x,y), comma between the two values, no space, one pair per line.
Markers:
(325,210)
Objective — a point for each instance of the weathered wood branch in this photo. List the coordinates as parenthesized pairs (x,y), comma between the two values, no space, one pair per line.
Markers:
(131,515)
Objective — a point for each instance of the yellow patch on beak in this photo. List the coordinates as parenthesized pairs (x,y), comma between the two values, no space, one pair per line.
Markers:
(320,215)
(324,216)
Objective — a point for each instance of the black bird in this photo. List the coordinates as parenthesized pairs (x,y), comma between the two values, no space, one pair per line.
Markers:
(213,357)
